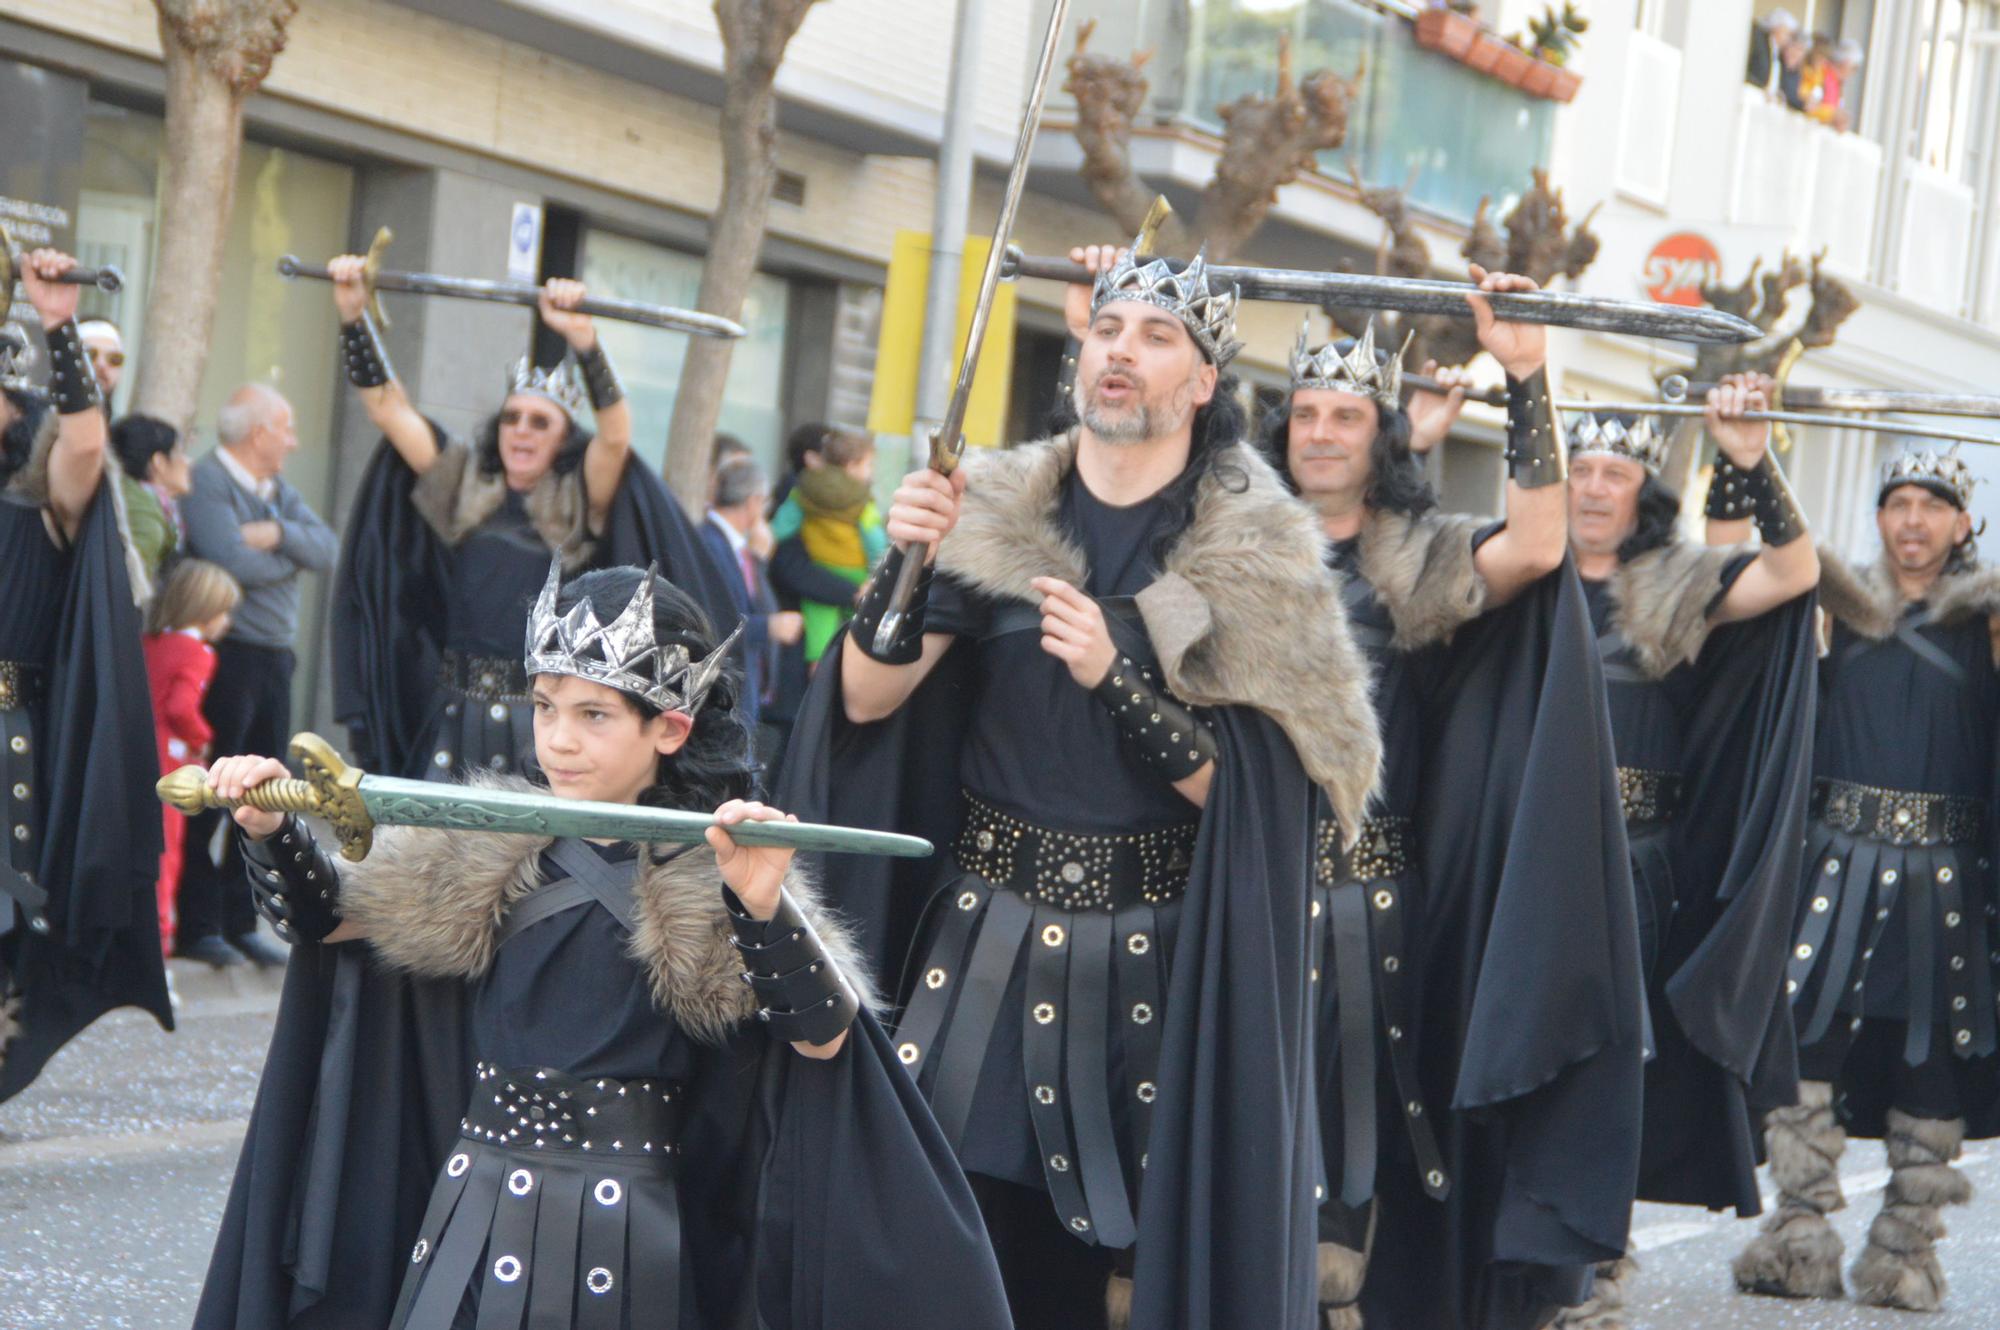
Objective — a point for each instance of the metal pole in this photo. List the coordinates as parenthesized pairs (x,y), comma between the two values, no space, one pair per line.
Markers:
(949,220)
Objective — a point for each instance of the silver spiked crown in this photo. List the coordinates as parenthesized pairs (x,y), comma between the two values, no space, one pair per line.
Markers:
(622,654)
(1940,470)
(562,385)
(1208,312)
(17,360)
(1639,441)
(1362,370)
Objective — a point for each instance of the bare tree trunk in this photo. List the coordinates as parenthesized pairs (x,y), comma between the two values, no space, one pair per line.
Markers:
(217,52)
(754,36)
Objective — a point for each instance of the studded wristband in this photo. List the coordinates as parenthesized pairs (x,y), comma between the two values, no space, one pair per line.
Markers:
(1172,739)
(909,644)
(600,377)
(71,384)
(1779,518)
(362,351)
(1732,491)
(1534,441)
(802,997)
(293,882)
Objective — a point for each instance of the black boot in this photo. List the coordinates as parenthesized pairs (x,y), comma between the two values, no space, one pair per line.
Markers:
(210,950)
(264,954)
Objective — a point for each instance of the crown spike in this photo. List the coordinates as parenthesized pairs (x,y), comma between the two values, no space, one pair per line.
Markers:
(1361,371)
(1606,435)
(1208,313)
(624,654)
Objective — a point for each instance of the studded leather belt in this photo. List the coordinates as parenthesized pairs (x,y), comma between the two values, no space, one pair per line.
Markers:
(541,1109)
(488,678)
(1075,870)
(1898,817)
(1649,796)
(1386,848)
(20,684)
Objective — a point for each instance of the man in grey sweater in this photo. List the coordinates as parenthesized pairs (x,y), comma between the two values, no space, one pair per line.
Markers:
(242,515)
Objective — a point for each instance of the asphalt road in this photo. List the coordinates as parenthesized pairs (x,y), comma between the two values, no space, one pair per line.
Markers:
(115,1165)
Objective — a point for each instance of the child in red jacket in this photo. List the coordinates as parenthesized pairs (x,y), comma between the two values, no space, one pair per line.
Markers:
(191,611)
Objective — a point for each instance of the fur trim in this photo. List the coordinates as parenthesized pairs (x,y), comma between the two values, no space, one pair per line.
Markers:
(431,902)
(1424,572)
(1118,1302)
(1661,601)
(1868,602)
(1798,1253)
(1899,1267)
(1341,1272)
(1604,1309)
(454,497)
(1242,614)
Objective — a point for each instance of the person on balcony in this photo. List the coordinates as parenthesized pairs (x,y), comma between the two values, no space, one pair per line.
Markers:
(1768,38)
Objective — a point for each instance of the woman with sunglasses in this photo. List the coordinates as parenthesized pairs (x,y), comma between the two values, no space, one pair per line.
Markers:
(450,540)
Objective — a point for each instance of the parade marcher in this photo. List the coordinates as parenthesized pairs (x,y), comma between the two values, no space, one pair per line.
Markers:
(154,475)
(1708,665)
(105,347)
(633,1142)
(447,542)
(78,931)
(1892,969)
(1109,1006)
(1415,1230)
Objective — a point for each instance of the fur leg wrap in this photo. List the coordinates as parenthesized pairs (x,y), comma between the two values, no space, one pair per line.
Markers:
(1899,1266)
(1605,1308)
(1118,1303)
(1798,1253)
(1341,1271)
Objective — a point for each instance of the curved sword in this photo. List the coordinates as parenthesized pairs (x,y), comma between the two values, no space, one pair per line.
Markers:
(1676,388)
(948,441)
(356,803)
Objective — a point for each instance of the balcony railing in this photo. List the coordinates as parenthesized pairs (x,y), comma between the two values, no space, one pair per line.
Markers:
(1464,136)
(1796,173)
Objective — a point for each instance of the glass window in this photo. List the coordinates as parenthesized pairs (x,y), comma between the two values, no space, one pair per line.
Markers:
(649,360)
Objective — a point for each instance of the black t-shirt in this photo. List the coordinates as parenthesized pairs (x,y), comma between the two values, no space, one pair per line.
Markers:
(1890,717)
(1041,747)
(1647,715)
(497,571)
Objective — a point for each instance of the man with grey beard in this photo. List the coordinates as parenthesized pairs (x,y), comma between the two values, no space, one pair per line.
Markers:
(1100,672)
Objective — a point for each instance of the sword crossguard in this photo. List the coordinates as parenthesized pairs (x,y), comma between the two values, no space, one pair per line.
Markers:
(336,791)
(371,267)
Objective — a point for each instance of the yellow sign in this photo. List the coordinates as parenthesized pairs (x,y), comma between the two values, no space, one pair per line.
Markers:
(892,407)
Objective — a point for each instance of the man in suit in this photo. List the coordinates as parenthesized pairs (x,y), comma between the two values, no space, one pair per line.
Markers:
(734,533)
(241,514)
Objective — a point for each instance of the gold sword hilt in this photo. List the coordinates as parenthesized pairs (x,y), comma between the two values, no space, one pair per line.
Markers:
(330,789)
(371,267)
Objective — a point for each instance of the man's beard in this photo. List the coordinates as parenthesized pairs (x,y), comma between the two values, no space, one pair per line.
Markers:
(1136,424)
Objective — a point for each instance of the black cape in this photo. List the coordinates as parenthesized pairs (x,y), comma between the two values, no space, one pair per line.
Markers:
(390,592)
(101,830)
(1531,1029)
(1226,1217)
(862,1217)
(1727,1051)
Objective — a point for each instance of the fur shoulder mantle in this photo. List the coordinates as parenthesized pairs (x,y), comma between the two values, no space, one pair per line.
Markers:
(1867,602)
(432,901)
(1660,601)
(454,496)
(1423,570)
(1245,612)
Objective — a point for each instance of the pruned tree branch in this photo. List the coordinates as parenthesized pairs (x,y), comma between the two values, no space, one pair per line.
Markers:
(1110,95)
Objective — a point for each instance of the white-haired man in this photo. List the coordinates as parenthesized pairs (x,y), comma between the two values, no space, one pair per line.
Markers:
(241,514)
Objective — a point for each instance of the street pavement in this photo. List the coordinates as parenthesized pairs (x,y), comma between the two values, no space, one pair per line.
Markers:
(114,1168)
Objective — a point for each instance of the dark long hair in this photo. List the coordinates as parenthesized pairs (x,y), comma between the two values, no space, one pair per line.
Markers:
(138,439)
(1396,480)
(1659,513)
(569,453)
(713,767)
(1218,424)
(32,413)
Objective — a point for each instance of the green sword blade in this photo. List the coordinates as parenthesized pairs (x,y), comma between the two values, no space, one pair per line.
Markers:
(393,802)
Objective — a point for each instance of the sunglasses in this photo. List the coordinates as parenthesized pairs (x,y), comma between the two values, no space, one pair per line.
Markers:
(115,359)
(535,420)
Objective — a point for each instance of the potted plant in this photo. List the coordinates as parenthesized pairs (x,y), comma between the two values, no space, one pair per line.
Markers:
(1448,31)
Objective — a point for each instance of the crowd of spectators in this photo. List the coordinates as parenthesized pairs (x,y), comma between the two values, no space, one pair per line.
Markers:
(1811,73)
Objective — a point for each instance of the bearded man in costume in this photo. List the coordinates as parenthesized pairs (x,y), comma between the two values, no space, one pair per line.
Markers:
(1707,658)
(633,1142)
(447,542)
(1892,968)
(1095,701)
(79,827)
(1424,1178)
